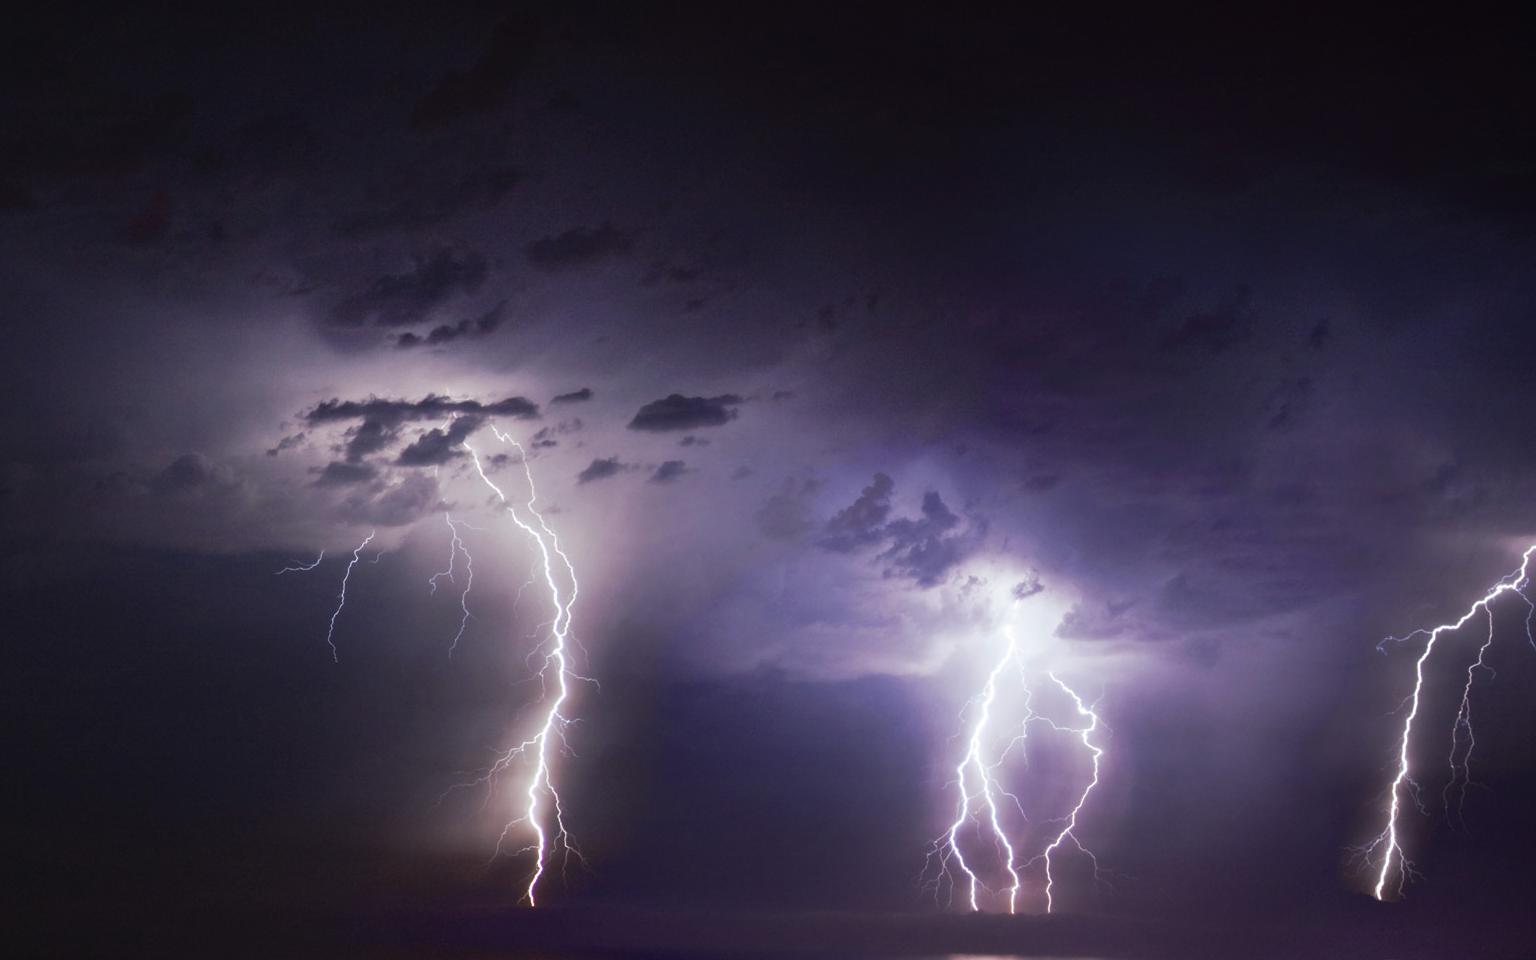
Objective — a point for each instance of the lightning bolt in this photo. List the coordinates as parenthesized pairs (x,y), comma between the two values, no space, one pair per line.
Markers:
(342,600)
(543,817)
(1388,844)
(983,798)
(456,547)
(301,569)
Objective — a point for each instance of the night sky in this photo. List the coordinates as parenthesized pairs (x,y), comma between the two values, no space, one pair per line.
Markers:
(841,342)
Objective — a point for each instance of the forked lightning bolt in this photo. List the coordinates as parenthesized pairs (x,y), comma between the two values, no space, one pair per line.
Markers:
(1395,868)
(987,811)
(542,817)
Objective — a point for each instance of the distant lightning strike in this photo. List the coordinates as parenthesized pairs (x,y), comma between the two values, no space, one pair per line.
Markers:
(342,600)
(456,547)
(1388,844)
(981,809)
(543,816)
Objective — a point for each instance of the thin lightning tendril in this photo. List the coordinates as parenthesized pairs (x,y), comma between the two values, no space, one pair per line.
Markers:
(456,547)
(301,569)
(1388,844)
(330,634)
(543,815)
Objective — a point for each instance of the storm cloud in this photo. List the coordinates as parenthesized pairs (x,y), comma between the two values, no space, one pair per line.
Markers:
(402,299)
(677,412)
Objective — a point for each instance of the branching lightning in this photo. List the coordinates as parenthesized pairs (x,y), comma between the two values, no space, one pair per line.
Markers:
(988,816)
(1395,869)
(543,817)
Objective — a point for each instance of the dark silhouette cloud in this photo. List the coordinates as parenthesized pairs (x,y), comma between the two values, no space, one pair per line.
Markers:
(668,471)
(862,523)
(600,469)
(339,474)
(677,412)
(922,549)
(444,333)
(370,436)
(286,443)
(381,421)
(575,396)
(438,446)
(430,407)
(193,473)
(577,247)
(399,300)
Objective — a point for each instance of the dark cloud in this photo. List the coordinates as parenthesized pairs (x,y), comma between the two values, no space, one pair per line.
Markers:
(862,523)
(668,471)
(546,436)
(922,549)
(486,85)
(677,412)
(193,473)
(438,446)
(399,300)
(381,420)
(577,247)
(444,333)
(430,407)
(600,470)
(1028,587)
(370,436)
(338,474)
(286,443)
(575,396)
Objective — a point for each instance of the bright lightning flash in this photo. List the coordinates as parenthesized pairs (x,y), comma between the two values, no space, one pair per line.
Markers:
(1395,868)
(542,819)
(987,812)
